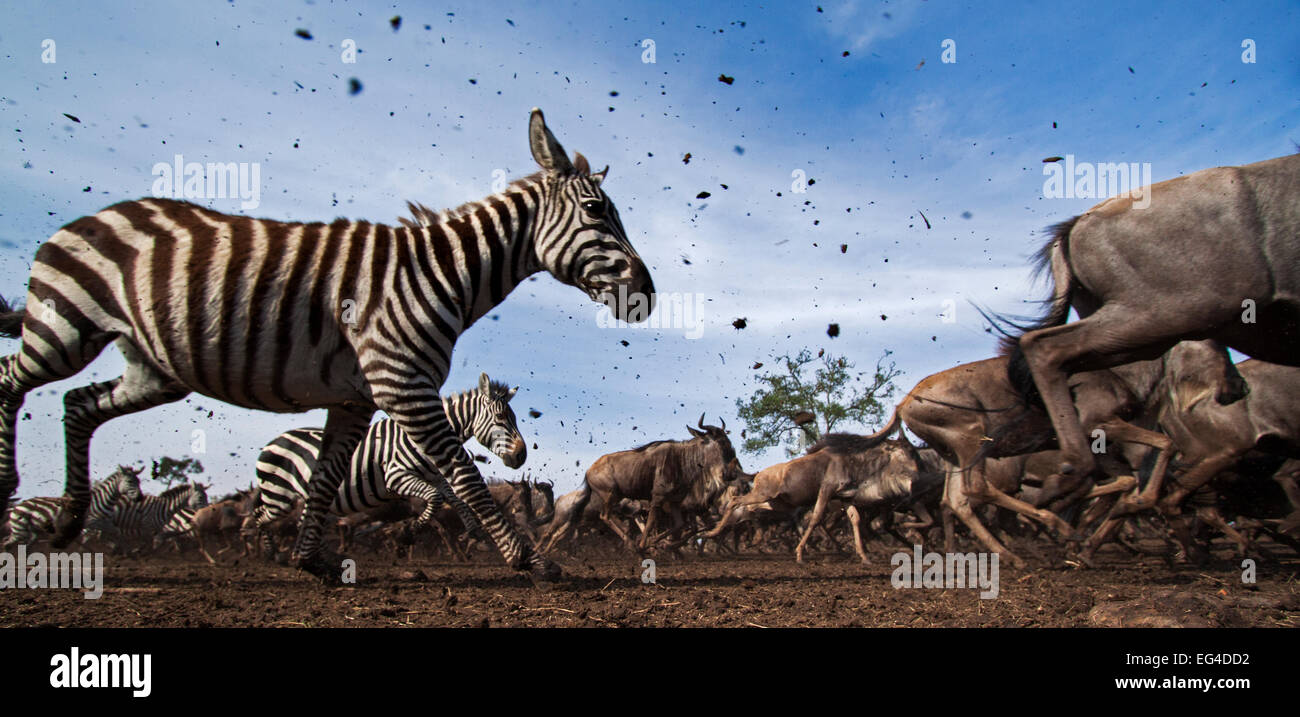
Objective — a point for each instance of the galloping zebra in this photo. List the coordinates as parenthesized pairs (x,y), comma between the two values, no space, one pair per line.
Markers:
(146,517)
(34,516)
(388,465)
(282,316)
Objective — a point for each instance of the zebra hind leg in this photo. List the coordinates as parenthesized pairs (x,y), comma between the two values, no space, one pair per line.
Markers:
(344,428)
(139,388)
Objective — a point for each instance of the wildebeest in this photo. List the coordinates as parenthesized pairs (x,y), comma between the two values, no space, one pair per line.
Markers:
(665,473)
(868,474)
(220,520)
(1211,255)
(1212,438)
(972,412)
(572,515)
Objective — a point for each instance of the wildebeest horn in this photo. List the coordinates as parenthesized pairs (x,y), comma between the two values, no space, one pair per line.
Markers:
(701,423)
(724,422)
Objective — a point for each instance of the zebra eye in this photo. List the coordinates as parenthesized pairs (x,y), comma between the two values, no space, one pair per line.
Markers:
(594,207)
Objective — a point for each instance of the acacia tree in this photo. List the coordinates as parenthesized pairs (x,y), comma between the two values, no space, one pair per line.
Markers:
(168,470)
(809,396)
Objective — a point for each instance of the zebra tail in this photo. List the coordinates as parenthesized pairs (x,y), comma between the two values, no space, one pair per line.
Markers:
(11,320)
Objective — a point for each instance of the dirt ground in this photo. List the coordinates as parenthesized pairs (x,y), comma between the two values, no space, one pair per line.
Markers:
(759,590)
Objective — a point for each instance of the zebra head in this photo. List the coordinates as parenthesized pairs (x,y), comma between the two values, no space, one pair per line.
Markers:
(579,238)
(198,497)
(125,485)
(494,421)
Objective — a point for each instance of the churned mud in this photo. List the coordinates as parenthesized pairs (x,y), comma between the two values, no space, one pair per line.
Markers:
(606,590)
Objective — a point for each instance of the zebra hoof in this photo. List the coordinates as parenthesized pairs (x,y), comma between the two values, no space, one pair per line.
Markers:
(544,573)
(327,568)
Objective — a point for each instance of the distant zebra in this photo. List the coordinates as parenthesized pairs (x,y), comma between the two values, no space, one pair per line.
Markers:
(146,517)
(181,525)
(287,317)
(388,465)
(34,516)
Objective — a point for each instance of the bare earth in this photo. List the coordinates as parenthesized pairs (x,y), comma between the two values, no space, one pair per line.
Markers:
(606,590)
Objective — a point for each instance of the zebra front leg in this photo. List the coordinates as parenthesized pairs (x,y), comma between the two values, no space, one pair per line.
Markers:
(344,427)
(429,428)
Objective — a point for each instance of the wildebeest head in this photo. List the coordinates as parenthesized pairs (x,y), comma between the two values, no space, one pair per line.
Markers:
(716,436)
(543,502)
(1199,369)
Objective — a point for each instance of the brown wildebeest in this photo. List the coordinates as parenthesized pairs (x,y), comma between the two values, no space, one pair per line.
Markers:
(665,473)
(868,474)
(221,520)
(1212,438)
(568,521)
(972,412)
(1215,255)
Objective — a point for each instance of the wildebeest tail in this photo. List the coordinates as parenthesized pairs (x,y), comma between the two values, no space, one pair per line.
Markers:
(11,320)
(1052,257)
(580,505)
(852,443)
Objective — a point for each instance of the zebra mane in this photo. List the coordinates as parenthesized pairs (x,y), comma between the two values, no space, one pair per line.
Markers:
(496,389)
(422,216)
(176,489)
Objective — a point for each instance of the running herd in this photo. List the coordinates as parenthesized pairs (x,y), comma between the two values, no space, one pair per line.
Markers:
(1088,431)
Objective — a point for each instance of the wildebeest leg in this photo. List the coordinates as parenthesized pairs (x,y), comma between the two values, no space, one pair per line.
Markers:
(1099,341)
(677,528)
(605,516)
(555,536)
(1128,433)
(453,546)
(729,514)
(823,497)
(949,528)
(981,490)
(926,520)
(855,520)
(955,497)
(1194,479)
(1211,515)
(198,538)
(1288,484)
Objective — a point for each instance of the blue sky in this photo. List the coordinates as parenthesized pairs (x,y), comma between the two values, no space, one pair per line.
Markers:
(884,137)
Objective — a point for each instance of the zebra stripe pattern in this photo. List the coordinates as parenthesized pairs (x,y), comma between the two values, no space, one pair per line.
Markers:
(347,316)
(35,516)
(146,517)
(180,525)
(388,465)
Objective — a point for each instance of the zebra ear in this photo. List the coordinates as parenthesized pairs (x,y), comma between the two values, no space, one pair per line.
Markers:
(599,177)
(580,164)
(511,393)
(546,150)
(484,383)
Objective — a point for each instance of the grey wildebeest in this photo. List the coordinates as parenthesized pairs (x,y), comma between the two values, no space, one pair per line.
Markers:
(1212,438)
(1211,255)
(667,474)
(868,474)
(568,521)
(973,412)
